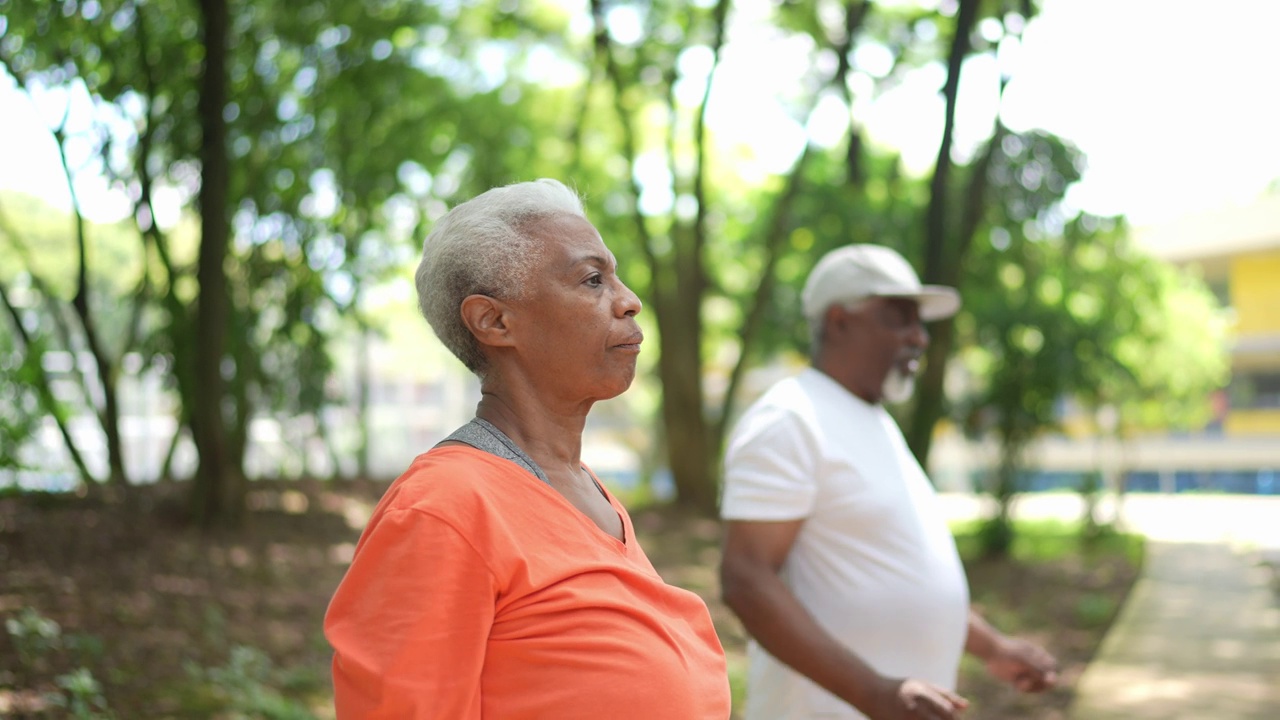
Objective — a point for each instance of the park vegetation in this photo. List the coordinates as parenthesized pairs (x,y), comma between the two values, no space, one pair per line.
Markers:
(283,161)
(300,152)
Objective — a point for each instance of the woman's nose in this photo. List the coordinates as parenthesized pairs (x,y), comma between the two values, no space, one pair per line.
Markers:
(628,302)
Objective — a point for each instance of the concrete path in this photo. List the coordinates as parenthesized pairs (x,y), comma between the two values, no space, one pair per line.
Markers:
(1199,636)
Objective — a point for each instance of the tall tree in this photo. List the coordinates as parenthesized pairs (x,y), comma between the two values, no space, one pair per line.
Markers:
(690,249)
(1061,308)
(949,229)
(81,326)
(219,483)
(301,148)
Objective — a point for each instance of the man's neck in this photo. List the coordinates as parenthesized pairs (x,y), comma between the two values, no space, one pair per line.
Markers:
(848,382)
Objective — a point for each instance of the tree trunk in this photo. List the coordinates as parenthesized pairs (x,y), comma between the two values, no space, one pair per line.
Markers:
(364,385)
(937,261)
(216,494)
(930,392)
(688,448)
(774,242)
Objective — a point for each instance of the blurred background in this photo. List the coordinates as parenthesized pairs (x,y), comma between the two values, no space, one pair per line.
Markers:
(210,214)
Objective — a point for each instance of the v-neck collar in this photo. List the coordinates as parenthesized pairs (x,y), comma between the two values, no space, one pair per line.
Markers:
(484,435)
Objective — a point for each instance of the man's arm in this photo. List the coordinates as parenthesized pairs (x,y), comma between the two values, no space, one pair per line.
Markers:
(753,553)
(1023,664)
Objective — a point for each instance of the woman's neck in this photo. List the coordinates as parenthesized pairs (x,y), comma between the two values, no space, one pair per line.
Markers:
(551,437)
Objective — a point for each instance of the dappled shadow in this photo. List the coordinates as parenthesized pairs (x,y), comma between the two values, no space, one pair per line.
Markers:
(162,603)
(1200,639)
(162,598)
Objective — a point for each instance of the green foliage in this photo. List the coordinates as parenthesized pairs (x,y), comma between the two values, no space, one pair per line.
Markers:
(1062,308)
(1095,610)
(1033,541)
(996,536)
(20,409)
(353,125)
(82,696)
(737,669)
(37,287)
(1090,489)
(41,645)
(831,213)
(34,636)
(349,125)
(244,689)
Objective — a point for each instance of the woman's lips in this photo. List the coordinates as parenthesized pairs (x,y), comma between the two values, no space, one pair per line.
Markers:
(632,343)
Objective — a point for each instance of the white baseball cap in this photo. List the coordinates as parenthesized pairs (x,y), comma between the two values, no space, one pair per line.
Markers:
(853,272)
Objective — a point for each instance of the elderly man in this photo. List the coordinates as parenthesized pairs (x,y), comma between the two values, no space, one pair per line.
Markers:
(497,577)
(835,556)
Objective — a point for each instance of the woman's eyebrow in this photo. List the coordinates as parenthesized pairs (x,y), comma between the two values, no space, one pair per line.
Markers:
(599,260)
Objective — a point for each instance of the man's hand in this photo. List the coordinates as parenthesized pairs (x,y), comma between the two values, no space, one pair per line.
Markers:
(911,699)
(1025,665)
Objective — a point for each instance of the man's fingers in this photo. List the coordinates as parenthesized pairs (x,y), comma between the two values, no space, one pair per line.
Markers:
(956,700)
(1036,681)
(1038,667)
(920,700)
(943,704)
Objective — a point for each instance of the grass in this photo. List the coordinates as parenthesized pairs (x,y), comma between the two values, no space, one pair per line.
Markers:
(1060,587)
(1050,541)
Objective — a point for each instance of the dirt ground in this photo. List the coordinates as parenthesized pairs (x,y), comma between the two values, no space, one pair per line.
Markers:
(173,622)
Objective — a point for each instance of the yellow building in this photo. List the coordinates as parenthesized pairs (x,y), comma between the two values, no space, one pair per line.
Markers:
(1237,250)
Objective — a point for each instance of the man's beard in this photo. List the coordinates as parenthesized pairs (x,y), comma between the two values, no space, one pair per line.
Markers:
(898,386)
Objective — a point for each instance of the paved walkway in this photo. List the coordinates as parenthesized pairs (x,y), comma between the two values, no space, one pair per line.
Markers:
(1199,636)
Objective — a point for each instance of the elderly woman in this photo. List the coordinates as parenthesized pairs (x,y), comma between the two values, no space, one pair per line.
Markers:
(498,578)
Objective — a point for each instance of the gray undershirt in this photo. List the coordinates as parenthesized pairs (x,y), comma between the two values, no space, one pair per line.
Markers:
(483,435)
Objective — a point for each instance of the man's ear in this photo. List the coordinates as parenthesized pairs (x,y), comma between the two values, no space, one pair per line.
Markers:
(835,320)
(486,318)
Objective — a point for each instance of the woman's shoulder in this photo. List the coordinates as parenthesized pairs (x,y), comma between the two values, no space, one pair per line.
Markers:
(453,477)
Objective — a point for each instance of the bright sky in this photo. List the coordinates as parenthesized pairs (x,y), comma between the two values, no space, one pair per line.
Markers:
(1174,105)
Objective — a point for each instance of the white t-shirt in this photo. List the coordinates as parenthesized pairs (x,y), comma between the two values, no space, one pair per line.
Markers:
(874,563)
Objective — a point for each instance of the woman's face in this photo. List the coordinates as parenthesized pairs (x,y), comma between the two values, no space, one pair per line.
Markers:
(575,326)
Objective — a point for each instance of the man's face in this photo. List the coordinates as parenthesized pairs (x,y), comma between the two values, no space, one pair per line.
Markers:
(575,326)
(879,342)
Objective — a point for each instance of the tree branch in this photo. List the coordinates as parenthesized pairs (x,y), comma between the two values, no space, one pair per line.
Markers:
(44,387)
(719,17)
(775,238)
(939,185)
(614,73)
(108,413)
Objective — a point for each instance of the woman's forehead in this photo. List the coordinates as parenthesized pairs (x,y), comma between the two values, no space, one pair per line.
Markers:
(573,238)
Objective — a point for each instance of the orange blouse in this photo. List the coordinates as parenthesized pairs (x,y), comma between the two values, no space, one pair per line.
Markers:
(478,591)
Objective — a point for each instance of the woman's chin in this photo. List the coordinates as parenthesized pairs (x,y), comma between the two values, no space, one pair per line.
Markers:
(611,390)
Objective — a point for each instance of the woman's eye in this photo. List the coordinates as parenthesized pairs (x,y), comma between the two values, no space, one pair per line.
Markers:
(595,280)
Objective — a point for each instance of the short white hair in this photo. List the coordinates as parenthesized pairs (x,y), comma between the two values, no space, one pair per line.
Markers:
(484,246)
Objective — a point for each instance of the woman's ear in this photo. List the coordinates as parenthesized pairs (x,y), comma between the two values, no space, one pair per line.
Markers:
(486,318)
